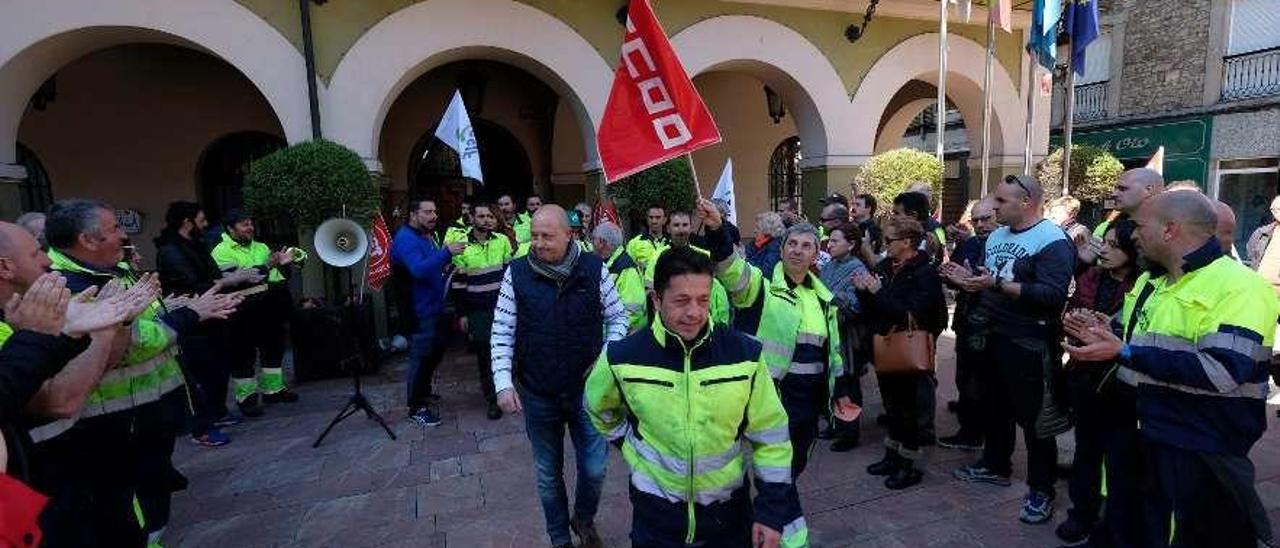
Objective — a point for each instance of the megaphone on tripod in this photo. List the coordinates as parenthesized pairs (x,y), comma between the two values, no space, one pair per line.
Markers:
(341,243)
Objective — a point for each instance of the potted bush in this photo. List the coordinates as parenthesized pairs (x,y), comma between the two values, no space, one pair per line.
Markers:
(891,173)
(669,184)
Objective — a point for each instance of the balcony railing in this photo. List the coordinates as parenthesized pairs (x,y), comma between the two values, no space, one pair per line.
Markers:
(1091,102)
(1253,74)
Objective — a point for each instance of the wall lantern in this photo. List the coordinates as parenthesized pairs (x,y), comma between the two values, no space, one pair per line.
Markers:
(472,84)
(776,109)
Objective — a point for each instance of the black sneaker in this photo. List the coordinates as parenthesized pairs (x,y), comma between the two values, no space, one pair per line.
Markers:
(979,473)
(587,535)
(251,406)
(1073,531)
(903,477)
(885,466)
(283,396)
(424,417)
(494,412)
(960,441)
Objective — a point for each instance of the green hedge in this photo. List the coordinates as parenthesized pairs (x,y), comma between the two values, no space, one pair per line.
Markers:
(1094,172)
(669,184)
(889,174)
(310,182)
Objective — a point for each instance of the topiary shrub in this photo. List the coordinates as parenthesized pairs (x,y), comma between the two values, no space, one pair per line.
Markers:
(310,182)
(889,174)
(1094,172)
(669,184)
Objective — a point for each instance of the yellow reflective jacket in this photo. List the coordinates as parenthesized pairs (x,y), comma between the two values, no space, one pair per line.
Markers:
(631,288)
(686,413)
(230,255)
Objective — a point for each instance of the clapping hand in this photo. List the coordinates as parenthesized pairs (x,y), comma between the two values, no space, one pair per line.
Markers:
(1097,344)
(42,307)
(954,272)
(88,315)
(975,283)
(865,281)
(213,305)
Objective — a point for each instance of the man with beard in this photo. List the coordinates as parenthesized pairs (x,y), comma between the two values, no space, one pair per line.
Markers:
(186,268)
(480,268)
(457,232)
(257,332)
(644,247)
(524,221)
(415,251)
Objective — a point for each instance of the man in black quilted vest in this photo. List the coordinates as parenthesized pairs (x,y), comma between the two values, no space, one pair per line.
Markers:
(556,308)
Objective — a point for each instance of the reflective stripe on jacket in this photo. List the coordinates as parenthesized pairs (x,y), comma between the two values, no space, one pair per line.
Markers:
(1198,351)
(479,270)
(631,288)
(686,413)
(149,369)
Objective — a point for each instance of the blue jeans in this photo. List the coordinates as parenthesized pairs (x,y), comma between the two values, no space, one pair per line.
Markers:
(545,420)
(425,352)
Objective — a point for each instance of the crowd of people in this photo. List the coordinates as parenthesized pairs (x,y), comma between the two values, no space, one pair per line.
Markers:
(103,367)
(705,358)
(708,359)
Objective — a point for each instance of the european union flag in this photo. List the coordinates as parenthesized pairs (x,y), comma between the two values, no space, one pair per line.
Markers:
(1082,27)
(1042,37)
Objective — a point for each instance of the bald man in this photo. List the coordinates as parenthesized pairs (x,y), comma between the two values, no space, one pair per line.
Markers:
(1197,334)
(556,308)
(1132,188)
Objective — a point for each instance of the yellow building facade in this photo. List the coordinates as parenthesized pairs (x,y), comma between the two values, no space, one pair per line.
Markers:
(142,102)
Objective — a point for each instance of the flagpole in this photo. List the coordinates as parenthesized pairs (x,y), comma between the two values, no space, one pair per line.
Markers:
(1033,87)
(1067,123)
(696,187)
(986,103)
(941,112)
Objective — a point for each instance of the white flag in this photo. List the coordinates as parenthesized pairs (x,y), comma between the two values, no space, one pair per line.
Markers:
(724,191)
(455,131)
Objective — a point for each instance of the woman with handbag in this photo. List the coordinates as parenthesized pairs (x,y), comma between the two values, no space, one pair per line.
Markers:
(904,304)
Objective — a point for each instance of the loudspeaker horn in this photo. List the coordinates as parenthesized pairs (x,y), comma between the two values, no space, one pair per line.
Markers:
(341,242)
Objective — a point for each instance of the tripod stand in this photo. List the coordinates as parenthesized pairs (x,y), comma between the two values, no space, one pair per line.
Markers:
(356,403)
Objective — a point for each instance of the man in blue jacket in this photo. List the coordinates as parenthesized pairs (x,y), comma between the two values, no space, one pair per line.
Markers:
(416,252)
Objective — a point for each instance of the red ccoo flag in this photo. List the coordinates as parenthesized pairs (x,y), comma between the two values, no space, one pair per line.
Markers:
(604,212)
(379,254)
(654,113)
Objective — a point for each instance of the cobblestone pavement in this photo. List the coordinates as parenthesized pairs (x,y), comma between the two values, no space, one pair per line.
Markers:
(469,482)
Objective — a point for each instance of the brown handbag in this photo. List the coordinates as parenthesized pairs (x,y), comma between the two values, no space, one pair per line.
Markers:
(909,350)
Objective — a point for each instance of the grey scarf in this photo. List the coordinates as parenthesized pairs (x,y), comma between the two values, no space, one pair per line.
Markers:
(558,272)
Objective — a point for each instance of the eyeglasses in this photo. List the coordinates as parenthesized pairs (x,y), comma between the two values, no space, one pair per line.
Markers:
(1017,181)
(888,240)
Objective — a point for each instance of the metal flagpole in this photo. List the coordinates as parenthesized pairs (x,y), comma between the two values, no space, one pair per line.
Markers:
(1067,122)
(1033,87)
(986,103)
(940,114)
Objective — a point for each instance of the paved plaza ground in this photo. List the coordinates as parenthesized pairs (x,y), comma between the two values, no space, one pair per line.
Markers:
(469,482)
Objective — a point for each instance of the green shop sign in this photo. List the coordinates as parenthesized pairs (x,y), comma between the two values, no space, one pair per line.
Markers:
(1185,142)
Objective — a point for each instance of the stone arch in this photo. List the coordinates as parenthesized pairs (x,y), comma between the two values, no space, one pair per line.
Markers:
(41,37)
(396,51)
(790,64)
(916,58)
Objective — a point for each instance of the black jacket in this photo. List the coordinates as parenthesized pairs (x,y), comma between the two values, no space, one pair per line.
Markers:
(186,266)
(915,287)
(27,359)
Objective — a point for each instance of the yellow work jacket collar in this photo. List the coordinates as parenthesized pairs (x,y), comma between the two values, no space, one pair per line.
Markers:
(780,281)
(662,335)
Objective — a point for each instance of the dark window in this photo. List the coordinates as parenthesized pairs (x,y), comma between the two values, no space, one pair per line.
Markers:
(224,166)
(37,194)
(784,173)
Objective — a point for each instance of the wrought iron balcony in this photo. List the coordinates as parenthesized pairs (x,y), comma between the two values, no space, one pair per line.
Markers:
(1091,102)
(1249,75)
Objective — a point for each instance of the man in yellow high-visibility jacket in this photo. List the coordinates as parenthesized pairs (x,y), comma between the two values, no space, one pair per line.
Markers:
(684,399)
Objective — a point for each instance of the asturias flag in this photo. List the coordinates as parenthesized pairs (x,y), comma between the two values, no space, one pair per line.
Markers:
(1081,21)
(1042,36)
(654,113)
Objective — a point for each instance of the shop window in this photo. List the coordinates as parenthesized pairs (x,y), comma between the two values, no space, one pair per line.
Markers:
(1248,186)
(784,173)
